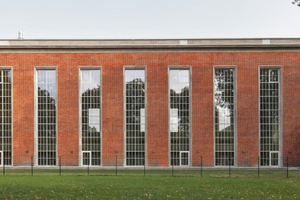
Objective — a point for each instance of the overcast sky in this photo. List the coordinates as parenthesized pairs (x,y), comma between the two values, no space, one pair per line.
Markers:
(135,19)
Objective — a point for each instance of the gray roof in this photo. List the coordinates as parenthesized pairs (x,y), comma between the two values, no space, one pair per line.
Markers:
(154,44)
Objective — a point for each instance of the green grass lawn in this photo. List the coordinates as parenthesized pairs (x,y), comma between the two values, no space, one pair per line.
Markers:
(221,173)
(148,187)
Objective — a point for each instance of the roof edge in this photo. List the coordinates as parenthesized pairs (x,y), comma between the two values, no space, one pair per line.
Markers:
(151,43)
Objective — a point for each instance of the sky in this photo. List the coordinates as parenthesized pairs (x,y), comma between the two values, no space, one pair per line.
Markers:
(152,19)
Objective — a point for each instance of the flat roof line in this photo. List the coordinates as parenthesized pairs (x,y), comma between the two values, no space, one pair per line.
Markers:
(151,43)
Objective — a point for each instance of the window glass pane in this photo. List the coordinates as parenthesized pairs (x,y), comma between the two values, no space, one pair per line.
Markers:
(5,117)
(135,116)
(269,116)
(85,76)
(179,116)
(46,123)
(91,116)
(224,102)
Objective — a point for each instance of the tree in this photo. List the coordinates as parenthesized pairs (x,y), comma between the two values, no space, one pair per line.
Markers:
(135,100)
(224,116)
(46,127)
(297,2)
(224,90)
(135,125)
(91,136)
(182,106)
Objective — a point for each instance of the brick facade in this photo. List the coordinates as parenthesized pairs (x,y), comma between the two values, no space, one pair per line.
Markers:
(157,63)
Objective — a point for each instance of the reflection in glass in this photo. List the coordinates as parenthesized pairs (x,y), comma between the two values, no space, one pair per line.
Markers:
(90,115)
(5,117)
(135,116)
(46,117)
(179,116)
(224,117)
(269,116)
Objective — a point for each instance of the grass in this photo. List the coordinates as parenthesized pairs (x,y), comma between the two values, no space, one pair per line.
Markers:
(139,187)
(178,172)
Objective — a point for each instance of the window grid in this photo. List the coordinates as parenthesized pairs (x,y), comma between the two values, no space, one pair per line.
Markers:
(135,116)
(90,116)
(46,82)
(5,117)
(269,116)
(179,117)
(224,101)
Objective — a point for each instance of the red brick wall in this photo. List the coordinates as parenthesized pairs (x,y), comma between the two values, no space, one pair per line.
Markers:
(202,63)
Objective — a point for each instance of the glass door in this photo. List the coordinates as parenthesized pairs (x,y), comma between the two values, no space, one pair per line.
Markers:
(86,158)
(274,158)
(184,158)
(1,158)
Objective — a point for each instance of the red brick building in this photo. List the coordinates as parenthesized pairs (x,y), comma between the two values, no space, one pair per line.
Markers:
(153,102)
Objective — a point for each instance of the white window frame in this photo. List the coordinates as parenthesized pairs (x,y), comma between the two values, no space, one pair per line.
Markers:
(270,75)
(189,68)
(36,158)
(181,152)
(90,158)
(1,158)
(133,67)
(12,139)
(81,68)
(271,67)
(234,67)
(278,158)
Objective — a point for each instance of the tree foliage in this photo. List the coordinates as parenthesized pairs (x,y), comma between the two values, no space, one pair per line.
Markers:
(296,2)
(135,100)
